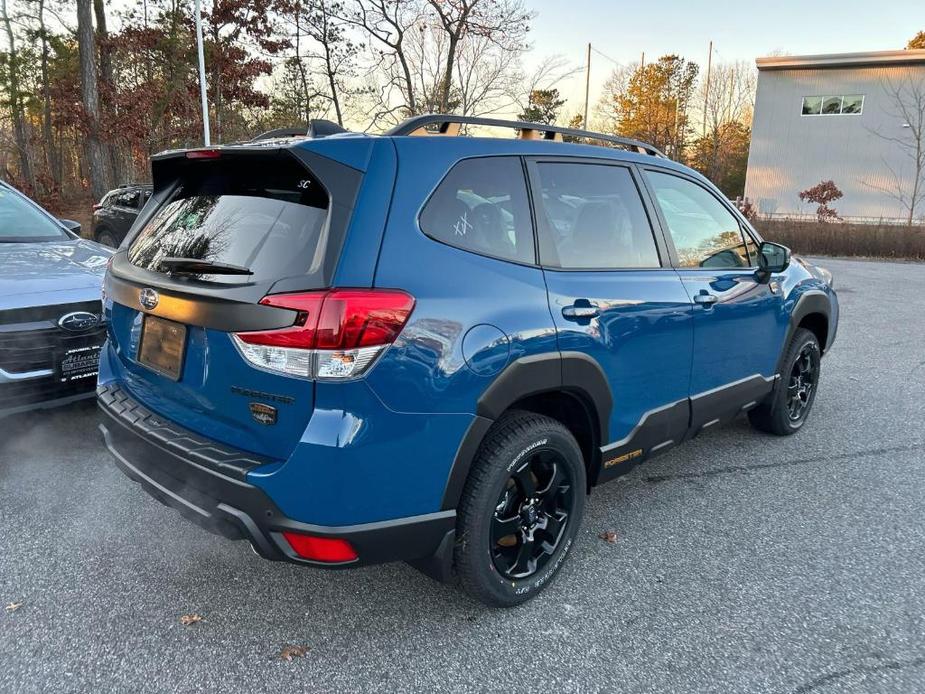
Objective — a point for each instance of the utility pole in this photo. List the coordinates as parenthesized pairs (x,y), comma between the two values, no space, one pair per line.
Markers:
(706,93)
(642,60)
(202,77)
(584,123)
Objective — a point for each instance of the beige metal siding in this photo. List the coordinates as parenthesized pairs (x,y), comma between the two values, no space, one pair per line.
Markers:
(791,152)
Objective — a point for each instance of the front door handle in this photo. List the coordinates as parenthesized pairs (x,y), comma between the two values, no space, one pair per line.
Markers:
(705,299)
(578,312)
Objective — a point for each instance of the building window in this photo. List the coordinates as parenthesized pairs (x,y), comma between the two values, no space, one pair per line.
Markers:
(833,105)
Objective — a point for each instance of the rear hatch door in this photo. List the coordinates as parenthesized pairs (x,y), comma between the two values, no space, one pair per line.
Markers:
(225,228)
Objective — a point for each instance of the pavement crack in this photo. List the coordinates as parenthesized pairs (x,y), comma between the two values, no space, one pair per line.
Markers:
(738,469)
(823,680)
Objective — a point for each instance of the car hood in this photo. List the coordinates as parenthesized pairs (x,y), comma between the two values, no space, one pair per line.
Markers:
(41,273)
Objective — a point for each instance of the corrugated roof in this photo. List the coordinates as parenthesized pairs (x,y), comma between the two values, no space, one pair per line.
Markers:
(841,60)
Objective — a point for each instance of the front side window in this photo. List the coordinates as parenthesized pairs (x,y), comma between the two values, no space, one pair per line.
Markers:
(594,218)
(705,233)
(481,206)
(22,222)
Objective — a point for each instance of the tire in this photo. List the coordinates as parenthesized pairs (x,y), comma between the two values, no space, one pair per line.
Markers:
(528,477)
(107,238)
(780,414)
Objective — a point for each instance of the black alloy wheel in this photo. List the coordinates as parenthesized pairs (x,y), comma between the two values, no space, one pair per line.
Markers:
(788,405)
(520,510)
(804,376)
(531,515)
(107,238)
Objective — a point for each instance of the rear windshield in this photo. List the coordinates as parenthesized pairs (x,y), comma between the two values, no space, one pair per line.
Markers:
(268,217)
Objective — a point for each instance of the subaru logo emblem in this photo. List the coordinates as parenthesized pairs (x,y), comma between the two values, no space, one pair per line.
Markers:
(148,298)
(78,321)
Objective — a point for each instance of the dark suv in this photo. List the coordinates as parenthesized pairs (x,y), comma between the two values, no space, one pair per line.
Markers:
(114,215)
(355,349)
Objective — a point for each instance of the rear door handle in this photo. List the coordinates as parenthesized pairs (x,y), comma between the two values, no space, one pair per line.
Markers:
(705,299)
(576,312)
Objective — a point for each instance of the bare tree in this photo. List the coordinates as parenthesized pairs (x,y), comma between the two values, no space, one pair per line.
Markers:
(907,187)
(547,75)
(89,86)
(503,23)
(336,51)
(727,103)
(607,111)
(487,81)
(389,23)
(110,149)
(17,102)
(453,56)
(52,154)
(731,95)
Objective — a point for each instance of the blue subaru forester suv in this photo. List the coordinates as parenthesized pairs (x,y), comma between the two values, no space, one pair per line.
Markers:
(352,349)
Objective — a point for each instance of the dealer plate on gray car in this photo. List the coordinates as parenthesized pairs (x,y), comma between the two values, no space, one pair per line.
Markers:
(79,363)
(162,344)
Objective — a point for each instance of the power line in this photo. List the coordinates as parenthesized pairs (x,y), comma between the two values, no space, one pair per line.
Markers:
(606,57)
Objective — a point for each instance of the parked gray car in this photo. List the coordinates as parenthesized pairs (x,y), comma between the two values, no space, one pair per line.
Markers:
(51,324)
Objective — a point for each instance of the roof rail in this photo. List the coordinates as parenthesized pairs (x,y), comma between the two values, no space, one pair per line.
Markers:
(450,125)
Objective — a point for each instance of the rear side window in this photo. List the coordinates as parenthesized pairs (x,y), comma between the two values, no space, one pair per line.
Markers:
(705,233)
(129,199)
(595,218)
(268,217)
(481,206)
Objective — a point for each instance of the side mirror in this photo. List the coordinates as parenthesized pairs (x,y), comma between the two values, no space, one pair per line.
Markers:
(772,257)
(71,226)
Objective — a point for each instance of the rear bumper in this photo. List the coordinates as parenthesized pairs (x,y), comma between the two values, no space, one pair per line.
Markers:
(207,485)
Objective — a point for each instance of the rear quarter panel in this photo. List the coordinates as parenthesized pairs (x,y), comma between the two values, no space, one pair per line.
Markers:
(501,306)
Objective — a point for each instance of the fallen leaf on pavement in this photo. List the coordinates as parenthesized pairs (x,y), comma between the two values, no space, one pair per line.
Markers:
(188,619)
(290,652)
(609,536)
(13,606)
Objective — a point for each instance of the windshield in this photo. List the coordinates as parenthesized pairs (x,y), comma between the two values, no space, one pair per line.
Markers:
(22,222)
(268,220)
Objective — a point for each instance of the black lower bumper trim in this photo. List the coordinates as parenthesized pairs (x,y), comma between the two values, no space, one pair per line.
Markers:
(236,509)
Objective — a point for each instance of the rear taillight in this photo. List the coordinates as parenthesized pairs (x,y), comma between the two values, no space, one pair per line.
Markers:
(97,206)
(327,549)
(336,334)
(204,154)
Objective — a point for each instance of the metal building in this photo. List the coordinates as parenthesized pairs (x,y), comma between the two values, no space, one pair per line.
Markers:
(821,117)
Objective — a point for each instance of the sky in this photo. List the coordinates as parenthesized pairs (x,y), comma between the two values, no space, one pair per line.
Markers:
(623,30)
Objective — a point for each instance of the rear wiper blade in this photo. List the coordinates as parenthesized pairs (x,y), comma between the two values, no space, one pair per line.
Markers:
(194,266)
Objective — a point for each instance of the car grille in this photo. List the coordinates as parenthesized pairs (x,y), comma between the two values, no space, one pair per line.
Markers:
(34,314)
(33,351)
(30,339)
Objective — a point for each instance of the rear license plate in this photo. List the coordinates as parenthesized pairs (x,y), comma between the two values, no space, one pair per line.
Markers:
(161,348)
(78,363)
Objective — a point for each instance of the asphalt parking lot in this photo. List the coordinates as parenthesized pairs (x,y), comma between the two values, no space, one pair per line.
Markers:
(742,563)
